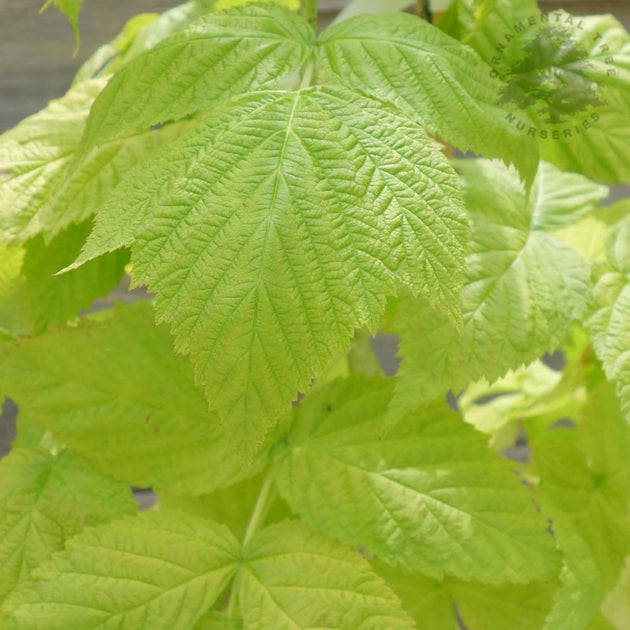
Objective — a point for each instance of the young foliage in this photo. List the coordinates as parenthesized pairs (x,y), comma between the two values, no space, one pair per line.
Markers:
(47,496)
(284,194)
(565,80)
(514,310)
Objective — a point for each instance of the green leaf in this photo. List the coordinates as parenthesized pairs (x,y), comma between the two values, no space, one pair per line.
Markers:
(32,297)
(565,81)
(55,299)
(155,570)
(609,322)
(217,57)
(278,226)
(436,79)
(440,605)
(585,489)
(14,311)
(233,506)
(292,578)
(36,154)
(119,379)
(70,8)
(523,288)
(588,236)
(46,498)
(428,496)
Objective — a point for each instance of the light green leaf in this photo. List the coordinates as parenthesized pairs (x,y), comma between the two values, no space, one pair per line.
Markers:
(149,571)
(566,81)
(119,379)
(523,288)
(32,297)
(36,154)
(278,226)
(292,579)
(15,317)
(532,392)
(53,300)
(588,236)
(214,620)
(48,188)
(46,498)
(609,322)
(428,496)
(585,489)
(616,607)
(219,56)
(439,605)
(232,506)
(436,79)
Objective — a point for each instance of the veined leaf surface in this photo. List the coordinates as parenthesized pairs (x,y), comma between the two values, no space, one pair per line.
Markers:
(565,80)
(36,154)
(514,308)
(45,499)
(119,378)
(428,496)
(609,323)
(155,570)
(220,55)
(275,228)
(292,578)
(430,76)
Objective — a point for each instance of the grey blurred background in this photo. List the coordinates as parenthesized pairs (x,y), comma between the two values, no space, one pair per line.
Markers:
(36,50)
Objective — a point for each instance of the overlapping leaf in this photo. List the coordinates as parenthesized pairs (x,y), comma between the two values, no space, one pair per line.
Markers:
(218,56)
(48,187)
(278,226)
(428,496)
(120,380)
(45,499)
(441,604)
(609,323)
(523,287)
(431,77)
(36,154)
(292,578)
(585,488)
(567,80)
(155,570)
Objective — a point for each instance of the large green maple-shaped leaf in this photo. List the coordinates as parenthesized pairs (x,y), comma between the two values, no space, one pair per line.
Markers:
(430,76)
(118,379)
(428,496)
(523,288)
(567,80)
(46,498)
(217,57)
(275,228)
(292,579)
(609,322)
(442,604)
(155,570)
